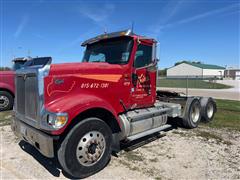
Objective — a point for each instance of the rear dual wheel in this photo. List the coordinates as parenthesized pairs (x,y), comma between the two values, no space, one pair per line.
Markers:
(209,109)
(197,110)
(86,149)
(192,113)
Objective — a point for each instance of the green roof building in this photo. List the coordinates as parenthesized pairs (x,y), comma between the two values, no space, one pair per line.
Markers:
(195,70)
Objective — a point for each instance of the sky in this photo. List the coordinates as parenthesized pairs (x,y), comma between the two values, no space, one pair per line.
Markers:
(206,31)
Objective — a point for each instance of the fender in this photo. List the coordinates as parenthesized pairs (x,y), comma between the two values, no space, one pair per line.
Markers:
(74,104)
(7,86)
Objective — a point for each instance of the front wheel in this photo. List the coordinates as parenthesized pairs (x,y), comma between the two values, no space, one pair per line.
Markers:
(6,101)
(86,149)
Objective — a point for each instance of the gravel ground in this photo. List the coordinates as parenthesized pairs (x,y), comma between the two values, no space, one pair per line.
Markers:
(202,153)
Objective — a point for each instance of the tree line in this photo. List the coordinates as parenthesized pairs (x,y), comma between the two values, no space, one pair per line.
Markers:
(5,68)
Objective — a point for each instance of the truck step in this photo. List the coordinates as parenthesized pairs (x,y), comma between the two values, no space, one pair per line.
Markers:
(146,133)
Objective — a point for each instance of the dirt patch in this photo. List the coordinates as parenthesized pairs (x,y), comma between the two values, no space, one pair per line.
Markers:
(5,118)
(202,153)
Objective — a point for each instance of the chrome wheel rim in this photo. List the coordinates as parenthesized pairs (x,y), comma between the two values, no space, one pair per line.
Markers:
(195,113)
(4,101)
(210,110)
(90,148)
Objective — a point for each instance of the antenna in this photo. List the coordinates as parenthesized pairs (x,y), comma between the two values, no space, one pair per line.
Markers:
(105,29)
(132,26)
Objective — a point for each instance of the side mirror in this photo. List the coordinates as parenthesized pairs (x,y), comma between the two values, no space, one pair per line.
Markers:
(155,61)
(153,65)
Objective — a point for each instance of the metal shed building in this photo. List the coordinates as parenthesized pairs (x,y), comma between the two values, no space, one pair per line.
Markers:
(195,69)
(232,73)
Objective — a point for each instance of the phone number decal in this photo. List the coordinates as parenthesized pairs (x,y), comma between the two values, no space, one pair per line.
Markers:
(94,85)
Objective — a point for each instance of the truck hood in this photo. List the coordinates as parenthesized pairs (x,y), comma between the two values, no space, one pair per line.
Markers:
(86,68)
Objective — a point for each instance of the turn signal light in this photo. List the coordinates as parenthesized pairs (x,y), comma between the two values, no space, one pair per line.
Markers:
(61,120)
(57,120)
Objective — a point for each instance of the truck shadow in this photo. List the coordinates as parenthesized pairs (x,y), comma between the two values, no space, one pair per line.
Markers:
(129,146)
(50,164)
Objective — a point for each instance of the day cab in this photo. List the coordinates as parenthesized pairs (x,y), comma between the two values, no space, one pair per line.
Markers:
(81,112)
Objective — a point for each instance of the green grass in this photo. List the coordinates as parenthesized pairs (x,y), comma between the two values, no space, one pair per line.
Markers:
(227,116)
(198,84)
(5,118)
(210,135)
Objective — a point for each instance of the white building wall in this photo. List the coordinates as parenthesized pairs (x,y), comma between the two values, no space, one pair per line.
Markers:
(184,70)
(237,74)
(213,72)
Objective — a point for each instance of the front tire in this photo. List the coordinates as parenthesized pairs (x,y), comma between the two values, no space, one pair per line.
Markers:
(6,101)
(86,149)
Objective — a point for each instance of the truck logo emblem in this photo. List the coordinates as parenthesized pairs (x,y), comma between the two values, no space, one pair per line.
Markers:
(59,81)
(142,78)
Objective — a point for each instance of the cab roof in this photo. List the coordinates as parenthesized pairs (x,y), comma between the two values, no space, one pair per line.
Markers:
(19,59)
(126,33)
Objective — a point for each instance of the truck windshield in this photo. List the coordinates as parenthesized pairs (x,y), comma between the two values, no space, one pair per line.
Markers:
(17,65)
(39,61)
(113,51)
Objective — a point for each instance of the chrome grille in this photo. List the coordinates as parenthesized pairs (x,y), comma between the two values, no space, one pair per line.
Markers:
(20,95)
(31,97)
(27,95)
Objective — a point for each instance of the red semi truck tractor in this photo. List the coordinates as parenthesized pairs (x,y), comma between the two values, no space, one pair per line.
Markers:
(7,87)
(81,112)
(7,84)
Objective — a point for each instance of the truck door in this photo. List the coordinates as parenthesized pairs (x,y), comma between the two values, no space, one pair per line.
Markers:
(143,91)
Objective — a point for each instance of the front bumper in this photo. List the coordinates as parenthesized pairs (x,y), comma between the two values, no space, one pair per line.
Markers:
(40,140)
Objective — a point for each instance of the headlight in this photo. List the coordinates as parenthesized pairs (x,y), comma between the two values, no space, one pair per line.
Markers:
(57,120)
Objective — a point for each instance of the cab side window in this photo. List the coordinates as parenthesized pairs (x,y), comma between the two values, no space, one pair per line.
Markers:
(143,56)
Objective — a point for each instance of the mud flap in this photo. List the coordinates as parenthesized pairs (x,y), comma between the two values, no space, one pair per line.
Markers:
(115,142)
